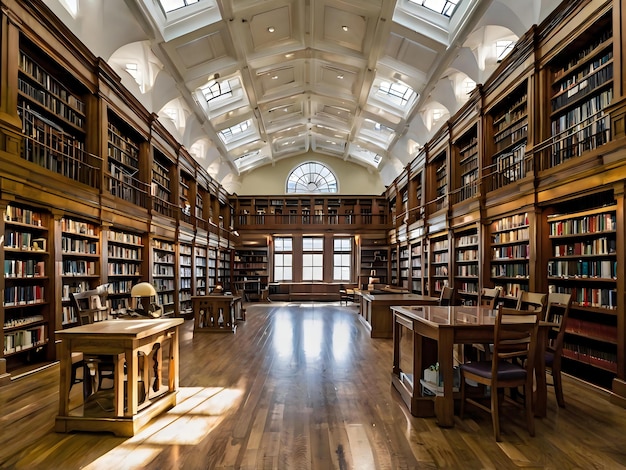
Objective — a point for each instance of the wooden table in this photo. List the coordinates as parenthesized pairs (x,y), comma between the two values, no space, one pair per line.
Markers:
(216,313)
(375,310)
(425,335)
(124,341)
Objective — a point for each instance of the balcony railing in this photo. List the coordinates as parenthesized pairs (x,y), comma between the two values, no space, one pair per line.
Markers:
(129,189)
(251,220)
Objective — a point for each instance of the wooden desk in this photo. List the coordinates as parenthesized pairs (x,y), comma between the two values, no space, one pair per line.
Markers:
(376,314)
(119,410)
(425,335)
(208,309)
(249,289)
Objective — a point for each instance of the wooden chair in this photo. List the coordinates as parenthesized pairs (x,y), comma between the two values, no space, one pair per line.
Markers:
(557,312)
(515,334)
(447,296)
(533,301)
(489,297)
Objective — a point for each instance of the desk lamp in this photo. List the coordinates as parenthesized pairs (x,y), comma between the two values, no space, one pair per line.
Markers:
(143,291)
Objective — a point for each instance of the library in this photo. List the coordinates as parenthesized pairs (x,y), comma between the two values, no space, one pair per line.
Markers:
(357,194)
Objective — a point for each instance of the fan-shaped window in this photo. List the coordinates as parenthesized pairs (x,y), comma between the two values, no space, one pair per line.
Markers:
(311,177)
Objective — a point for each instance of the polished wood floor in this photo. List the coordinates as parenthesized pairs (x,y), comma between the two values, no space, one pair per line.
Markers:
(304,387)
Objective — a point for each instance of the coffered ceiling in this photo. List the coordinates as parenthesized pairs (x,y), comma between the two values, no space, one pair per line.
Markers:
(246,83)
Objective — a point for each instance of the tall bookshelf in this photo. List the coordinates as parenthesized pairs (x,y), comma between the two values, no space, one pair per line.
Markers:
(124,266)
(581,87)
(404,266)
(211,269)
(122,162)
(200,270)
(468,165)
(163,274)
(374,263)
(439,262)
(510,135)
(393,265)
(185,278)
(416,266)
(251,265)
(27,316)
(53,114)
(224,268)
(80,252)
(441,180)
(161,184)
(467,265)
(583,263)
(510,253)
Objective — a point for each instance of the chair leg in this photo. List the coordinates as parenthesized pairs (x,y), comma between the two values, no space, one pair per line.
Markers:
(528,399)
(463,385)
(558,388)
(495,413)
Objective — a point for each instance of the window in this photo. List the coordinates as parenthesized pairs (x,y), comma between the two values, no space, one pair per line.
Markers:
(503,48)
(312,259)
(445,7)
(171,5)
(397,93)
(283,259)
(311,177)
(342,255)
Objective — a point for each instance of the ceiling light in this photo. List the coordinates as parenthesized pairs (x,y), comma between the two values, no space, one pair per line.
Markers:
(340,77)
(270,29)
(274,77)
(345,28)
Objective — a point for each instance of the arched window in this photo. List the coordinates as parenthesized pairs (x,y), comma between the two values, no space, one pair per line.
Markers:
(311,177)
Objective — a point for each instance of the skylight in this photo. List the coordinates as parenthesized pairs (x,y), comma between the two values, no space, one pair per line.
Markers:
(171,5)
(503,48)
(215,89)
(248,159)
(397,93)
(366,155)
(231,133)
(444,7)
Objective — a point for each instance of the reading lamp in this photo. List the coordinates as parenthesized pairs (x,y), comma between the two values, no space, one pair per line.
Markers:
(145,290)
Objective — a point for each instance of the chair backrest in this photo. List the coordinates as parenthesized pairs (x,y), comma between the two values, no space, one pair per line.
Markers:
(534,301)
(489,297)
(447,293)
(89,303)
(515,336)
(557,311)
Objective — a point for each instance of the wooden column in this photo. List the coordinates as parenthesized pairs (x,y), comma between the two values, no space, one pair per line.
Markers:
(10,123)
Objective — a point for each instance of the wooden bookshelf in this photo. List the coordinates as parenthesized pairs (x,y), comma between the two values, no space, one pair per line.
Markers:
(440,164)
(122,163)
(251,271)
(374,263)
(211,269)
(224,269)
(124,266)
(163,274)
(161,184)
(185,278)
(200,270)
(581,88)
(404,266)
(583,263)
(439,262)
(467,265)
(510,135)
(80,252)
(416,266)
(393,266)
(27,317)
(510,253)
(467,161)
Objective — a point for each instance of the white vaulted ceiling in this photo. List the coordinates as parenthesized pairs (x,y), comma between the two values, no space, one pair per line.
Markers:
(245,83)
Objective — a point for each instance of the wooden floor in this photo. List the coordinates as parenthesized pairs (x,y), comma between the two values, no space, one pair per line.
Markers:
(304,387)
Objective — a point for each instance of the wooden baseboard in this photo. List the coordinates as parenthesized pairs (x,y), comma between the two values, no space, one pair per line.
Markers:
(618,393)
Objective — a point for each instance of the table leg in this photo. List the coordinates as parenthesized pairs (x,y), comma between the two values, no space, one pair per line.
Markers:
(541,388)
(444,405)
(64,387)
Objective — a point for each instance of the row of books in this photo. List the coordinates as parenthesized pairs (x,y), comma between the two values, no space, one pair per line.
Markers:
(597,246)
(441,271)
(51,103)
(22,321)
(583,225)
(574,59)
(589,297)
(23,216)
(576,143)
(511,289)
(507,223)
(510,252)
(511,112)
(23,295)
(73,245)
(440,257)
(120,287)
(600,331)
(590,355)
(165,258)
(583,87)
(583,114)
(122,157)
(511,136)
(185,260)
(465,240)
(468,288)
(467,255)
(21,340)
(510,270)
(30,67)
(123,269)
(73,288)
(467,270)
(15,268)
(163,245)
(79,268)
(185,283)
(124,237)
(68,315)
(124,252)
(160,270)
(78,227)
(165,298)
(511,236)
(603,269)
(582,73)
(185,271)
